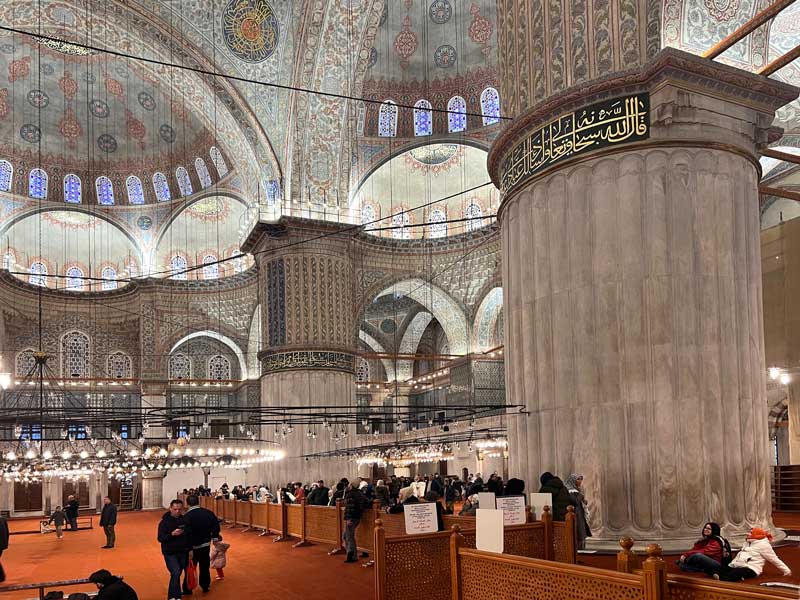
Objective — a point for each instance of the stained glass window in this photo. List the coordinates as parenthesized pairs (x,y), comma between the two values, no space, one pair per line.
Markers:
(75,355)
(239,264)
(490,106)
(105,191)
(72,189)
(9,260)
(474,213)
(184,183)
(119,366)
(219,367)
(180,366)
(109,276)
(456,116)
(362,372)
(210,267)
(24,363)
(400,221)
(38,274)
(273,192)
(135,191)
(202,172)
(178,266)
(423,123)
(387,119)
(219,161)
(161,187)
(75,279)
(368,216)
(6,176)
(437,227)
(37,184)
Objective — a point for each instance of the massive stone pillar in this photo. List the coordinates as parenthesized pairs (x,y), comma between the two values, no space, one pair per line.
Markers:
(632,288)
(307,297)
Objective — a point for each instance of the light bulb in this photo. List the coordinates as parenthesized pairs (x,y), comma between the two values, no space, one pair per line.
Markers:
(786,379)
(774,373)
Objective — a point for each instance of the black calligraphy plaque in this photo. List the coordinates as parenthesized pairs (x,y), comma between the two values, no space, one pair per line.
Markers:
(607,123)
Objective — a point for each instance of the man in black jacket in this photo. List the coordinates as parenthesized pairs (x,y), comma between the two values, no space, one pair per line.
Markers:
(72,512)
(174,535)
(355,503)
(108,519)
(3,544)
(203,528)
(110,587)
(319,495)
(561,499)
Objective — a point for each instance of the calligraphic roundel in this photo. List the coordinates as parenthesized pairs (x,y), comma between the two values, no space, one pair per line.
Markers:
(250,29)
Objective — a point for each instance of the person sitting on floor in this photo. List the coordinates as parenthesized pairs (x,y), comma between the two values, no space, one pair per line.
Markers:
(706,554)
(110,587)
(749,562)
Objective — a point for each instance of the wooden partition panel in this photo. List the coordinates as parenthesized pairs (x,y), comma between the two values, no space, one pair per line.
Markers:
(259,515)
(321,524)
(243,513)
(564,549)
(275,517)
(229,510)
(294,520)
(680,587)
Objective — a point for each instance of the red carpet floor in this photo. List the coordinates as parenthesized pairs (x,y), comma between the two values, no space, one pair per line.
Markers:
(257,567)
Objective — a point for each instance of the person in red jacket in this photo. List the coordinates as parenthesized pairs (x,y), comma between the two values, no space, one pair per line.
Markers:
(706,554)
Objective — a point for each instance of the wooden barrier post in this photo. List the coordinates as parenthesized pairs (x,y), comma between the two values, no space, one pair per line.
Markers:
(528,514)
(339,532)
(627,561)
(570,534)
(303,541)
(380,561)
(655,574)
(376,506)
(547,519)
(456,542)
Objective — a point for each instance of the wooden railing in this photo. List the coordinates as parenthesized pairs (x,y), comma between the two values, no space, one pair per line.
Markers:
(786,488)
(41,587)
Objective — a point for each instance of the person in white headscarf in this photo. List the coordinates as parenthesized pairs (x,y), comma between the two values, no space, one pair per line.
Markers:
(574,485)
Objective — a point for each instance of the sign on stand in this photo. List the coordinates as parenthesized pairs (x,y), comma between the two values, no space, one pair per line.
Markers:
(538,502)
(513,508)
(489,533)
(486,500)
(421,518)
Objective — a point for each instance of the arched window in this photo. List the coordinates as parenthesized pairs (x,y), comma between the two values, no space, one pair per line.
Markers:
(119,366)
(490,106)
(368,216)
(38,274)
(239,264)
(437,220)
(423,123)
(109,276)
(75,350)
(219,368)
(273,192)
(9,260)
(210,267)
(474,213)
(37,184)
(72,189)
(161,187)
(400,221)
(105,191)
(6,176)
(133,269)
(178,266)
(180,366)
(362,372)
(456,116)
(184,183)
(24,363)
(135,191)
(219,161)
(387,119)
(75,279)
(202,172)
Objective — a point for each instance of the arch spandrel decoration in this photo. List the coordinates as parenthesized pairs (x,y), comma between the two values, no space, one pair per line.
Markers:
(487,320)
(410,342)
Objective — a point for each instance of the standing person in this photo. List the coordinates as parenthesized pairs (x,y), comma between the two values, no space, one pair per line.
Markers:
(561,499)
(110,587)
(574,485)
(58,518)
(749,562)
(382,493)
(355,503)
(319,495)
(3,544)
(72,512)
(219,557)
(203,530)
(108,519)
(173,535)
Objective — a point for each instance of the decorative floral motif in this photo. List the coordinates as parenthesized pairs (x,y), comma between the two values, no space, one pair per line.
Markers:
(30,133)
(144,222)
(46,69)
(89,77)
(107,143)
(250,29)
(7,48)
(445,56)
(114,87)
(722,10)
(136,128)
(405,43)
(98,108)
(435,154)
(68,86)
(147,101)
(373,58)
(18,69)
(167,133)
(480,29)
(4,107)
(69,126)
(440,11)
(38,99)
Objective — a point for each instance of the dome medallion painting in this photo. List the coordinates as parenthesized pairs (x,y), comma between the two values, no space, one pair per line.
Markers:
(250,29)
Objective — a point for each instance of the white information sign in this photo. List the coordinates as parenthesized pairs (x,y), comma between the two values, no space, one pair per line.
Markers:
(513,508)
(421,518)
(489,533)
(538,502)
(419,489)
(486,500)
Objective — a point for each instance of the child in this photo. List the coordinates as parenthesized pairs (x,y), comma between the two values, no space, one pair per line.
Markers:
(218,558)
(750,561)
(59,518)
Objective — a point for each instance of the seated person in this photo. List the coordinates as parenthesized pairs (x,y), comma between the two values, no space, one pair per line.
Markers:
(406,496)
(470,506)
(749,562)
(706,554)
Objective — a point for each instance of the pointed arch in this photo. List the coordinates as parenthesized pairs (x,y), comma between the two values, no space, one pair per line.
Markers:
(410,342)
(376,346)
(219,337)
(485,334)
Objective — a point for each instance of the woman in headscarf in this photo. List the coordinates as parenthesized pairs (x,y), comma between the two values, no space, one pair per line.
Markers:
(582,531)
(706,554)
